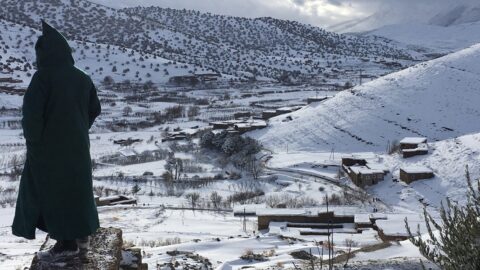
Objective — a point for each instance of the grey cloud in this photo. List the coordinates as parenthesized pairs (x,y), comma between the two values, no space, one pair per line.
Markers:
(317,12)
(335,2)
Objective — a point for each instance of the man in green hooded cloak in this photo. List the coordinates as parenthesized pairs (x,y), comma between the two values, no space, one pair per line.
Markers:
(59,108)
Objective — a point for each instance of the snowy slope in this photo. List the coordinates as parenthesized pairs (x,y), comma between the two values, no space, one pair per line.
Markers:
(447,159)
(436,99)
(436,37)
(97,59)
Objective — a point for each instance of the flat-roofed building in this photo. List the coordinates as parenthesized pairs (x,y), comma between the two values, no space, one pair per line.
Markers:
(415,173)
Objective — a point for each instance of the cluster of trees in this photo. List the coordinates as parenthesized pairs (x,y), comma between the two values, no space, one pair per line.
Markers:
(216,201)
(289,201)
(175,112)
(173,168)
(240,151)
(176,168)
(145,156)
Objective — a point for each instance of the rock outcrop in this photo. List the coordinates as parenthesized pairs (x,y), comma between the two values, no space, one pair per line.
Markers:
(106,253)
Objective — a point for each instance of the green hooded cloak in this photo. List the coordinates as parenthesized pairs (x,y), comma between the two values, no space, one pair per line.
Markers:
(59,108)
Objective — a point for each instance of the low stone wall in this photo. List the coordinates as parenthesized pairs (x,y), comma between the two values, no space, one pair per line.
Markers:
(327,218)
(391,238)
(408,154)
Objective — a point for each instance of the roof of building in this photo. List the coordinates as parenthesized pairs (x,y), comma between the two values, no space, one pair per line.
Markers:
(362,218)
(417,169)
(262,210)
(259,123)
(127,152)
(286,109)
(318,98)
(363,156)
(394,225)
(413,140)
(364,170)
(243,125)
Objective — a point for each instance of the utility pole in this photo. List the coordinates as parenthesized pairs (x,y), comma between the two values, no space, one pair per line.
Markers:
(329,241)
(333,248)
(328,245)
(244,220)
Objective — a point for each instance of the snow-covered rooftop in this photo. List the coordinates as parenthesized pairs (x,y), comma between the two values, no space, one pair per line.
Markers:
(395,224)
(128,152)
(260,210)
(364,170)
(413,140)
(417,169)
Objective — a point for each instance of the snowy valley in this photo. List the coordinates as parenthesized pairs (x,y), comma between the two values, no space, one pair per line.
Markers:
(232,143)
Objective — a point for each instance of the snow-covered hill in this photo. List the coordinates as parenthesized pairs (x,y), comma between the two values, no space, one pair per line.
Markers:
(427,36)
(98,60)
(436,99)
(447,159)
(249,48)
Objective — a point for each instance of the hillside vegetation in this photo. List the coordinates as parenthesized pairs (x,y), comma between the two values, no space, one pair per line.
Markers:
(245,48)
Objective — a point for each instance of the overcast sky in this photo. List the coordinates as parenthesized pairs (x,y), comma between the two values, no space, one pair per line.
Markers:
(321,13)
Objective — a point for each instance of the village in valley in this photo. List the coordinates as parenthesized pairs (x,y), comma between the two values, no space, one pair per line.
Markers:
(270,166)
(170,170)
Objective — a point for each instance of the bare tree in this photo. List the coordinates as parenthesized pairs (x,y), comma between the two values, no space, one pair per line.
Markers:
(349,243)
(193,199)
(216,199)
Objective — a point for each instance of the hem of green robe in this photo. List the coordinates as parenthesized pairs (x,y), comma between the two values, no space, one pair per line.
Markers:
(27,236)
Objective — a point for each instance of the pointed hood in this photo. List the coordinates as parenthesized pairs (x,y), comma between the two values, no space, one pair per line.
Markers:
(52,48)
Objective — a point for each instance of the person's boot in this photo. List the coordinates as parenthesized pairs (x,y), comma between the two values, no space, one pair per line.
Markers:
(83,243)
(63,249)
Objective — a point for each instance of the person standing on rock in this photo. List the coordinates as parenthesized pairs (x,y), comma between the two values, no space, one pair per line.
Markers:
(59,108)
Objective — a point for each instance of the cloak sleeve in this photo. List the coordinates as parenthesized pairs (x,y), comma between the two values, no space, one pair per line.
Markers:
(94,109)
(33,109)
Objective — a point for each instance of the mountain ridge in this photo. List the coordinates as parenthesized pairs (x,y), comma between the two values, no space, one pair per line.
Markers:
(244,48)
